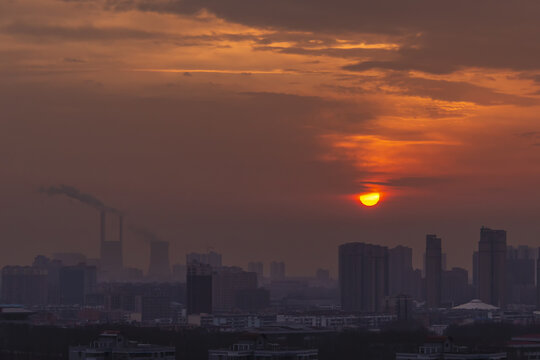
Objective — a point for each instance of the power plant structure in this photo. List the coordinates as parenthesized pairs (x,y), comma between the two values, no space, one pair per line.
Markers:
(111,244)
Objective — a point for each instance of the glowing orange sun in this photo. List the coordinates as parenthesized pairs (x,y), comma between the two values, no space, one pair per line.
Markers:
(370,199)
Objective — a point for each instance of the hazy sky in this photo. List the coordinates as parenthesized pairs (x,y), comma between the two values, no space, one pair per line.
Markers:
(248,126)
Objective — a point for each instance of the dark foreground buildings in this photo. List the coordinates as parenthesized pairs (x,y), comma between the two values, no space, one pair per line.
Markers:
(112,345)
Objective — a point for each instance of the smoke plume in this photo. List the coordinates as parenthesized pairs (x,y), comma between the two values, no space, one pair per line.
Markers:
(146,234)
(74,193)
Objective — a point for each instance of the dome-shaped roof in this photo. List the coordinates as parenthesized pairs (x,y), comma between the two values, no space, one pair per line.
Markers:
(475,304)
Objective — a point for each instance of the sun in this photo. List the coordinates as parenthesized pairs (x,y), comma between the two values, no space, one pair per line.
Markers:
(370,199)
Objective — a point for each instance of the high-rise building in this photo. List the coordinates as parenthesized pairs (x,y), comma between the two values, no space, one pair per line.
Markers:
(492,266)
(256,267)
(363,277)
(433,271)
(400,271)
(52,267)
(24,285)
(199,289)
(520,271)
(75,283)
(211,258)
(277,270)
(159,261)
(226,283)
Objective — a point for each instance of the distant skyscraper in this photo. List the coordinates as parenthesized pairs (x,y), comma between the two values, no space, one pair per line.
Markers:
(492,266)
(521,272)
(24,285)
(256,267)
(75,283)
(400,271)
(52,267)
(199,288)
(277,270)
(433,271)
(363,277)
(159,261)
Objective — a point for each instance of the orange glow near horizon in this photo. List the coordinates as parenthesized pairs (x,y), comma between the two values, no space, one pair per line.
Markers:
(370,199)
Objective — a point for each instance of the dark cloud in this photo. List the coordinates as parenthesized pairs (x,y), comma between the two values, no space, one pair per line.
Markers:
(443,36)
(331,52)
(414,182)
(41,32)
(73,60)
(455,91)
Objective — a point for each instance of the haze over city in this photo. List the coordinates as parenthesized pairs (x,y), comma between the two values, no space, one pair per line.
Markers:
(250,128)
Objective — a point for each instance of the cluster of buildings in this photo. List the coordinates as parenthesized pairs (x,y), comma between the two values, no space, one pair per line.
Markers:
(373,277)
(377,285)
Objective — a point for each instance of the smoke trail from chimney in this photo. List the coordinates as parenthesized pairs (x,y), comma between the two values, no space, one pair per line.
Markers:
(74,193)
(146,234)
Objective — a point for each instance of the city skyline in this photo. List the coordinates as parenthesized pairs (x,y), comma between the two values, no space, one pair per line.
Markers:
(147,238)
(219,126)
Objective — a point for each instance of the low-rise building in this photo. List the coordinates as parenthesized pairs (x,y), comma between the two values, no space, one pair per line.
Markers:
(443,348)
(111,345)
(258,347)
(525,347)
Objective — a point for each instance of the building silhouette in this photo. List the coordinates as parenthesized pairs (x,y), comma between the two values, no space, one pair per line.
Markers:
(363,277)
(521,273)
(159,268)
(199,289)
(492,266)
(400,271)
(75,283)
(24,285)
(433,271)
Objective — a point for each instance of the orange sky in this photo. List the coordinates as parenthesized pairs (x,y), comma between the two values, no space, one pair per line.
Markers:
(246,126)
